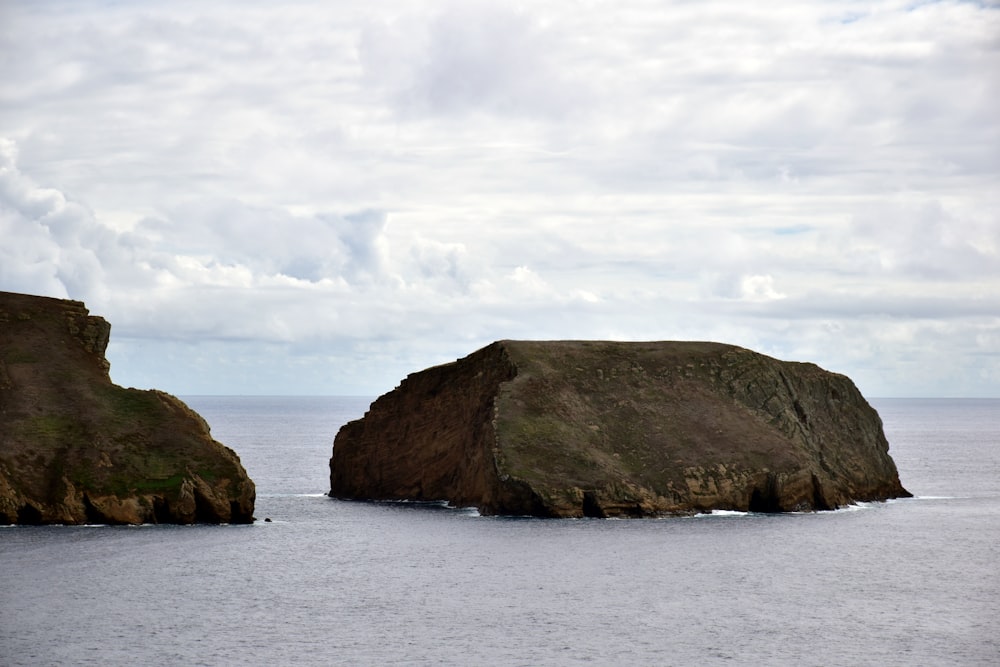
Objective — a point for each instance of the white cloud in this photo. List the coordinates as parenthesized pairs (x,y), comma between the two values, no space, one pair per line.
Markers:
(759,288)
(369,189)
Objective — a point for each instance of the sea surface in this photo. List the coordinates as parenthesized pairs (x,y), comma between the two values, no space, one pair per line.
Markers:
(326,582)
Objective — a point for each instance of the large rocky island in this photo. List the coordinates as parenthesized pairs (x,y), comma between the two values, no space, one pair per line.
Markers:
(609,429)
(76,448)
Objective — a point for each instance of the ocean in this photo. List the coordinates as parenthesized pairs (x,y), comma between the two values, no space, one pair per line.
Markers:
(326,582)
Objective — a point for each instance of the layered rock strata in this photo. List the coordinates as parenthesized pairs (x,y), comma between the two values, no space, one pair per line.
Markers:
(76,448)
(610,429)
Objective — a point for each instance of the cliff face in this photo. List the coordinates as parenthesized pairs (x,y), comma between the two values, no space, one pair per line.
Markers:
(586,428)
(76,448)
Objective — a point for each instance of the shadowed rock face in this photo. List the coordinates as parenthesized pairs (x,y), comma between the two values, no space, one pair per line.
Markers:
(76,448)
(588,428)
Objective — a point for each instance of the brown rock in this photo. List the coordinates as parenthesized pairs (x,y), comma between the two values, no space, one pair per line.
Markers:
(589,428)
(76,448)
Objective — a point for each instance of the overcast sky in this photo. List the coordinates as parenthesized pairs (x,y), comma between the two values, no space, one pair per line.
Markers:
(321,197)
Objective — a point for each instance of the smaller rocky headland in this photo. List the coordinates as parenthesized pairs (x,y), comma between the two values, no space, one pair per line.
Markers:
(75,448)
(609,429)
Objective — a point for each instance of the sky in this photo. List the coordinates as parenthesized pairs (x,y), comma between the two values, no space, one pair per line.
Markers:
(323,197)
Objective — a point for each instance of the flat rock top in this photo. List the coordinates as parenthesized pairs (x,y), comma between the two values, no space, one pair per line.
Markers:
(640,411)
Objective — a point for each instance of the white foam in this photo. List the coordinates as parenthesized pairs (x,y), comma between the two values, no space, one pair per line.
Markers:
(855,507)
(892,501)
(291,495)
(709,514)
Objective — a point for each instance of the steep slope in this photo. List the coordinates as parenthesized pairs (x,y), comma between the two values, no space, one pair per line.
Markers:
(76,448)
(590,428)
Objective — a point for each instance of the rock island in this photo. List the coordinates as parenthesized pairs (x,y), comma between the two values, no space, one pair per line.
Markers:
(76,448)
(615,429)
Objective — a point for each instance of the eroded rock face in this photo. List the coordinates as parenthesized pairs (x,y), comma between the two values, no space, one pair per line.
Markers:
(588,428)
(76,448)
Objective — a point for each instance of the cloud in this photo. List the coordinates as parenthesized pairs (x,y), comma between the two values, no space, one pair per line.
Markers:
(49,239)
(177,277)
(759,288)
(272,241)
(364,190)
(468,57)
(927,239)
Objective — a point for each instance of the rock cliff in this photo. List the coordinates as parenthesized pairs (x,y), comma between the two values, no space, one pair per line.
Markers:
(608,429)
(76,448)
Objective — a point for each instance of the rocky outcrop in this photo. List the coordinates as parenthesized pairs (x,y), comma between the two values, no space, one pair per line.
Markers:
(607,429)
(76,448)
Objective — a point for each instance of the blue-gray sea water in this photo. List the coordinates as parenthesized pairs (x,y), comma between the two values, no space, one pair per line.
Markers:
(326,582)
